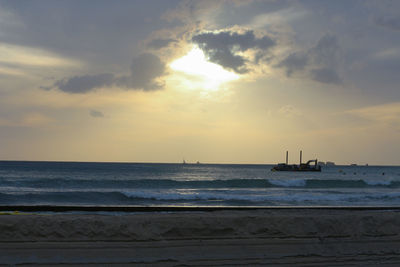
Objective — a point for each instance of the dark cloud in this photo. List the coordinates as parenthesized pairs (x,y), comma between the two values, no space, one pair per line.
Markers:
(392,23)
(294,62)
(47,88)
(325,75)
(160,43)
(96,113)
(222,47)
(83,84)
(228,60)
(101,33)
(320,62)
(145,69)
(326,51)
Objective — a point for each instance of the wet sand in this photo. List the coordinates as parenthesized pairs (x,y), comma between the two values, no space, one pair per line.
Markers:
(311,237)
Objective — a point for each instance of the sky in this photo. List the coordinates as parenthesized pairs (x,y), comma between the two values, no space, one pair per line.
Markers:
(209,81)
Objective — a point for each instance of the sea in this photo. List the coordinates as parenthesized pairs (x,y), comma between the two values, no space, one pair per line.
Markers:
(155,184)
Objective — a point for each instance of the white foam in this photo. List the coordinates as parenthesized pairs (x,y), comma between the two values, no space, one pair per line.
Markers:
(288,183)
(294,196)
(378,182)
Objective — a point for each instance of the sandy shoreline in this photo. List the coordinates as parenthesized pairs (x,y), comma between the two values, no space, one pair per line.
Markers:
(306,236)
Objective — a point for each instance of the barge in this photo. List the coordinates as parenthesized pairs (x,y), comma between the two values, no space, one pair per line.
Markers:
(302,167)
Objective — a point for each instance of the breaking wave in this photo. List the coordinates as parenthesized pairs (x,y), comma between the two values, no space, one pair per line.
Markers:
(167,183)
(200,197)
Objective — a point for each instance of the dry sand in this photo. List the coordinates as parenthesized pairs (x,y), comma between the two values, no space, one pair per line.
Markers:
(256,237)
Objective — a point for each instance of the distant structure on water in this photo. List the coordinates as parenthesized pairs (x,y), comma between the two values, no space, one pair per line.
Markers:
(326,164)
(184,162)
(305,167)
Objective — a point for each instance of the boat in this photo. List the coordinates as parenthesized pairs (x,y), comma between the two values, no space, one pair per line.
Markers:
(302,167)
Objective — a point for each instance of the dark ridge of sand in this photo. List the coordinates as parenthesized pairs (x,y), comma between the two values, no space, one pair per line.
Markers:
(243,237)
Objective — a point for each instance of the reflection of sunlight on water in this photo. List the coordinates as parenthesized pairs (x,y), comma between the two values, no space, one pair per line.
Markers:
(202,73)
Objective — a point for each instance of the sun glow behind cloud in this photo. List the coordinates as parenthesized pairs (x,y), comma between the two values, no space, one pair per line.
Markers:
(201,72)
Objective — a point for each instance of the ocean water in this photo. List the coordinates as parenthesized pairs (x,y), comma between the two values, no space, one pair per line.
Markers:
(151,184)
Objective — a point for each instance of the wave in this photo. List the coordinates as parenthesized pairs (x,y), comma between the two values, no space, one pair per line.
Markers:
(139,183)
(334,183)
(199,197)
(264,196)
(179,184)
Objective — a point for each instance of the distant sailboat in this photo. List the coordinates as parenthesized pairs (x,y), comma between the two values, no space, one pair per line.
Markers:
(183,162)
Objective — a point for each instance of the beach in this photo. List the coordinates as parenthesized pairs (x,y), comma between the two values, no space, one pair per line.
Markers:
(274,236)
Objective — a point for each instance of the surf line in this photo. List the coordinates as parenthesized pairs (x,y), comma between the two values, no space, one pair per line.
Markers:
(57,208)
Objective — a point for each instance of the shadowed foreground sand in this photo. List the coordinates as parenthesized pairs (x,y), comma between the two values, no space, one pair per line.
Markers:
(256,237)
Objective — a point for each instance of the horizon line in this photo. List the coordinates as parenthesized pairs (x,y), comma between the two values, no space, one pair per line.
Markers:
(186,163)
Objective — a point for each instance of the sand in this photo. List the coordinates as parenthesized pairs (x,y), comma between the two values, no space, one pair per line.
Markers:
(311,237)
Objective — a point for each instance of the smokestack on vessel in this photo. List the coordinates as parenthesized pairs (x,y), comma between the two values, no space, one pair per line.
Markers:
(301,153)
(287,157)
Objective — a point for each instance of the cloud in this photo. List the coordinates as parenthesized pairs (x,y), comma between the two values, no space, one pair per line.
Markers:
(326,51)
(96,114)
(10,71)
(17,55)
(188,12)
(387,114)
(86,83)
(391,23)
(289,111)
(282,13)
(160,43)
(294,62)
(224,48)
(387,54)
(144,71)
(325,75)
(86,32)
(29,119)
(319,62)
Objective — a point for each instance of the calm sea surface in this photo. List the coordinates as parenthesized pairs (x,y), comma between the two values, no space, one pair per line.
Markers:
(147,184)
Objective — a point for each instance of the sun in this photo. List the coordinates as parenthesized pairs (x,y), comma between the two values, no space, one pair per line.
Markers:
(201,72)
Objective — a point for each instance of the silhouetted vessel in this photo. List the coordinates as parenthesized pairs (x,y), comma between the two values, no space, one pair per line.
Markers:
(302,167)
